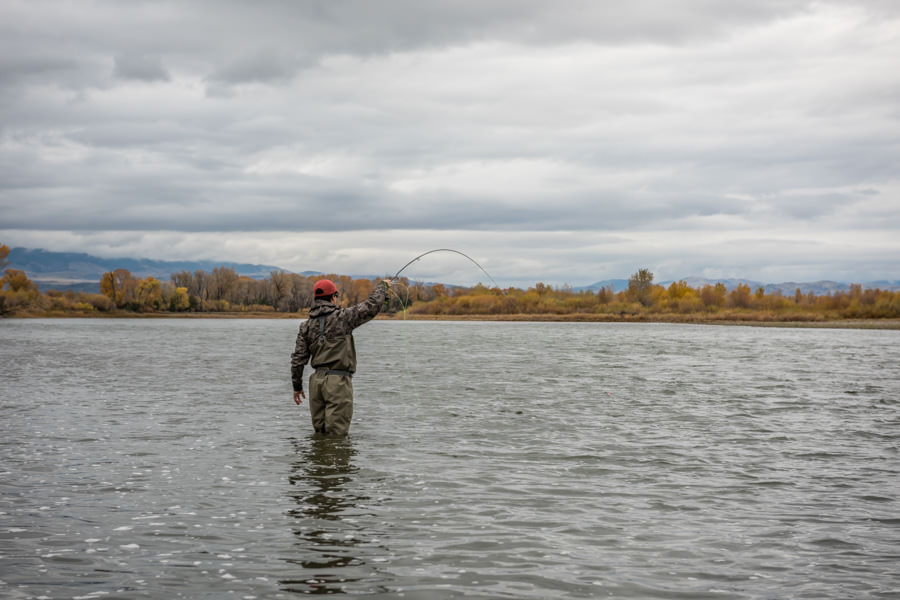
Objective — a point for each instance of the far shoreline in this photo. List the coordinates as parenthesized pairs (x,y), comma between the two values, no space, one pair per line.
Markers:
(887,324)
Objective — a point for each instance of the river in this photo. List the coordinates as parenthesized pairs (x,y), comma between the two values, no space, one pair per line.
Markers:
(164,458)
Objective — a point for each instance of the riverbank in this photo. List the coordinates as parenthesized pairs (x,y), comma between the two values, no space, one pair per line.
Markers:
(749,319)
(674,319)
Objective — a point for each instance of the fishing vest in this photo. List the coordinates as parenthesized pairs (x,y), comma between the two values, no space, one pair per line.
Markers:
(333,354)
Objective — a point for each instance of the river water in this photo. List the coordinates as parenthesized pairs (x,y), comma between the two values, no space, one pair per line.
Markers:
(165,459)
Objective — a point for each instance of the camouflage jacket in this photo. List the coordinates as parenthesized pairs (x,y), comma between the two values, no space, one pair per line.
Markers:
(334,348)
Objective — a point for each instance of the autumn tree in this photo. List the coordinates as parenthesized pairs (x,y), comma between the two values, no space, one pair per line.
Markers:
(301,292)
(605,295)
(360,290)
(281,287)
(424,293)
(343,283)
(119,286)
(220,282)
(180,301)
(148,293)
(683,298)
(759,295)
(640,287)
(185,279)
(245,291)
(713,297)
(739,297)
(18,281)
(4,252)
(201,286)
(22,291)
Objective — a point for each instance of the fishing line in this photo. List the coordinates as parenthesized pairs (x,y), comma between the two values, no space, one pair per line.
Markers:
(405,303)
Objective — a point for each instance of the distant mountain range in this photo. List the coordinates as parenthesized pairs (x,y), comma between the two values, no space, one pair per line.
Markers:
(82,272)
(787,288)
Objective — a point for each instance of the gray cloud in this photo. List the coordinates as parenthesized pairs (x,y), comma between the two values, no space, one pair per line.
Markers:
(562,123)
(146,68)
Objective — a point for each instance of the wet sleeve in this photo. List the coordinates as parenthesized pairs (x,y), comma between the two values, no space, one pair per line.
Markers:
(299,358)
(368,308)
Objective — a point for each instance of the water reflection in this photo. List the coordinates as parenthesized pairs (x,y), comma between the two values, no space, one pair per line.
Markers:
(329,538)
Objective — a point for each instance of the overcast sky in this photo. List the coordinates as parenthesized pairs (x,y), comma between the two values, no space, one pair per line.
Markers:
(562,142)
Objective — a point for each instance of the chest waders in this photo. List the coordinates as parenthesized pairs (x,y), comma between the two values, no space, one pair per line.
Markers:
(331,386)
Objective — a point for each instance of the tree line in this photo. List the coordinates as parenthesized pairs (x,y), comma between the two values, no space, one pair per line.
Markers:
(224,291)
(644,300)
(220,290)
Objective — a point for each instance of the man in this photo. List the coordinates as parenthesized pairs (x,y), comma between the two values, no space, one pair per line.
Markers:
(326,341)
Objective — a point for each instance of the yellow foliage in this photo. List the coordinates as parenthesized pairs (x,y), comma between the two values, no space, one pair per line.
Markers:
(119,286)
(180,300)
(18,281)
(223,291)
(148,294)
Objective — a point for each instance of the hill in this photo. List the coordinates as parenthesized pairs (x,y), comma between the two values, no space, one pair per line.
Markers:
(787,288)
(82,272)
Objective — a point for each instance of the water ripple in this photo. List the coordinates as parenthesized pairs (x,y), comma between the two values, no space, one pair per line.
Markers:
(487,460)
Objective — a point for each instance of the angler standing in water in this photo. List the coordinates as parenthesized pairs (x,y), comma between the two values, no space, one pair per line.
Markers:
(326,341)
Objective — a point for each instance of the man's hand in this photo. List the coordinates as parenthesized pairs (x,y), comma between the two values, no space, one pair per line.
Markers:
(298,396)
(387,283)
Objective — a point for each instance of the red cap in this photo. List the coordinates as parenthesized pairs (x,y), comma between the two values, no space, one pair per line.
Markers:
(324,287)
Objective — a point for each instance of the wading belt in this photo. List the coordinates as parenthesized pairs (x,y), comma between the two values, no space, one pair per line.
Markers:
(324,370)
(334,372)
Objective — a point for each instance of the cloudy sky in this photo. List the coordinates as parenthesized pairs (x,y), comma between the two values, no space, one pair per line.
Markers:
(563,142)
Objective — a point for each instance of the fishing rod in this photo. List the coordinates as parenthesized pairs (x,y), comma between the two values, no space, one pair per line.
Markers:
(475,262)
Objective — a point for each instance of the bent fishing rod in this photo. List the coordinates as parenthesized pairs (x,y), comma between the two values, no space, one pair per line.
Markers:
(475,262)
